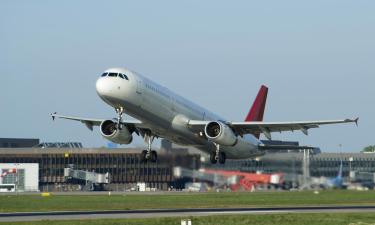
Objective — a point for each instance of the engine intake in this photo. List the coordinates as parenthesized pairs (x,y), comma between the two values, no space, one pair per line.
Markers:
(220,133)
(109,130)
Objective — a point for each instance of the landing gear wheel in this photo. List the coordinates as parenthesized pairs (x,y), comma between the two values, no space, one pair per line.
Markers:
(213,158)
(149,154)
(153,156)
(222,157)
(144,156)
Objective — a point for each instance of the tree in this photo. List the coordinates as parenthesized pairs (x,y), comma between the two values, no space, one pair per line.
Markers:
(370,148)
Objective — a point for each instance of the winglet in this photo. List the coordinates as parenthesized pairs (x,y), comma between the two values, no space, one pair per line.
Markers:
(53,116)
(352,121)
(356,121)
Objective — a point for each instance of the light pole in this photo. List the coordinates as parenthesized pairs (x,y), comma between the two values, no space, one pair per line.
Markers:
(350,167)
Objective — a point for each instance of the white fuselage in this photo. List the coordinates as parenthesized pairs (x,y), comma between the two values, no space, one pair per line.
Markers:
(166,113)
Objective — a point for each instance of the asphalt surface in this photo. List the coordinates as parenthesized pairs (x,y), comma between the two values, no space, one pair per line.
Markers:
(153,213)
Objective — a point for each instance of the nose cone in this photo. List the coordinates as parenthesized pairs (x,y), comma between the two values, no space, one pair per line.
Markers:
(108,91)
(104,87)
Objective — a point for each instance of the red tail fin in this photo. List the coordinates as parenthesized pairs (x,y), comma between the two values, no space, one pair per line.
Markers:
(257,109)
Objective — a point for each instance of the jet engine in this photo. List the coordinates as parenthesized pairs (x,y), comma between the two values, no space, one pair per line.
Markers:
(220,133)
(110,131)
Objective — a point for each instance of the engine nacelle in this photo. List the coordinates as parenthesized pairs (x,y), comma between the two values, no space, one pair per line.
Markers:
(109,130)
(220,133)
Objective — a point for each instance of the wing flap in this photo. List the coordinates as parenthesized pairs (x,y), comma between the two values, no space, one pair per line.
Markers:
(283,147)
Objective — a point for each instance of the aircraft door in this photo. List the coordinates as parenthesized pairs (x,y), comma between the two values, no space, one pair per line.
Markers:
(173,104)
(139,91)
(139,86)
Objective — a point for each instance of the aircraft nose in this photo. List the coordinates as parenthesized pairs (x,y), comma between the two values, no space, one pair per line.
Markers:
(104,87)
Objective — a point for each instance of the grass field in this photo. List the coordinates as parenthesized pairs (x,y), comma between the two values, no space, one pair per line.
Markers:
(28,203)
(273,219)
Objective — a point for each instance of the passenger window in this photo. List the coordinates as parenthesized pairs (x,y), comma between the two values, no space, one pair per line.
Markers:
(104,74)
(112,74)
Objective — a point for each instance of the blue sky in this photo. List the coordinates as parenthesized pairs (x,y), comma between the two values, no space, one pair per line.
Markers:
(317,58)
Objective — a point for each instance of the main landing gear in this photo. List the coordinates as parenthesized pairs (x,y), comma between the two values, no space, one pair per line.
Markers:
(119,112)
(217,155)
(149,155)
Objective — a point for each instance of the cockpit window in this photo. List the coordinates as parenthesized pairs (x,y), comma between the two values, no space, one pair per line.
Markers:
(123,76)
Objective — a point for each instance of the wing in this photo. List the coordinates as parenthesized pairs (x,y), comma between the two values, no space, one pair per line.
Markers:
(283,147)
(90,123)
(241,128)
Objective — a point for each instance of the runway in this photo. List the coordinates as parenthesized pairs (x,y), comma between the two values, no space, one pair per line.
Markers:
(151,213)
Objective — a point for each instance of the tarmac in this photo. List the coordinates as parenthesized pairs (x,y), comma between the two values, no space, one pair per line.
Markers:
(154,213)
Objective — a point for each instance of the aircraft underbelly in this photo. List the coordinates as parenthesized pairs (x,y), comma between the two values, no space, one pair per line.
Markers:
(167,120)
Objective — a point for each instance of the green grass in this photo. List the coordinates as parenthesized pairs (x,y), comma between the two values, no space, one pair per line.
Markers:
(270,219)
(27,203)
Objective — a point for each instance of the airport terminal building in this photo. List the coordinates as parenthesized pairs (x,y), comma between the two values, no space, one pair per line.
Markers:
(123,166)
(321,164)
(64,168)
(301,168)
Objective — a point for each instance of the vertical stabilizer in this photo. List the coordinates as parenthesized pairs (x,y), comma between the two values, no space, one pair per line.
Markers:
(339,174)
(257,109)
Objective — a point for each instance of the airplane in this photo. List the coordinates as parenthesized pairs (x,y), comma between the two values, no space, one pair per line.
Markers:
(336,182)
(160,113)
(330,182)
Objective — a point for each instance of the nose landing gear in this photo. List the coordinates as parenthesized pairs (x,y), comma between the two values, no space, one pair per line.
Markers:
(119,112)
